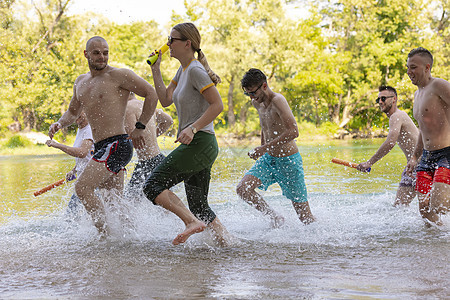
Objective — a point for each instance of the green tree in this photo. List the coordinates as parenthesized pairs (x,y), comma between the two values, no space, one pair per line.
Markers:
(372,38)
(229,46)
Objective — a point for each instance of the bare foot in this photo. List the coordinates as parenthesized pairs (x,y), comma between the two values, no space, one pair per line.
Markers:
(220,234)
(277,221)
(101,226)
(191,228)
(225,241)
(308,220)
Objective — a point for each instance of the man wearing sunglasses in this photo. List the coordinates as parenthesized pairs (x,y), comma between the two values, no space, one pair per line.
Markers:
(402,131)
(277,159)
(432,112)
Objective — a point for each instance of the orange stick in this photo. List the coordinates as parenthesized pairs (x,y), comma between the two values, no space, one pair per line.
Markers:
(49,187)
(347,163)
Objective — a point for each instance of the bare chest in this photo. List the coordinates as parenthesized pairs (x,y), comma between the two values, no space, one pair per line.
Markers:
(426,106)
(270,120)
(99,93)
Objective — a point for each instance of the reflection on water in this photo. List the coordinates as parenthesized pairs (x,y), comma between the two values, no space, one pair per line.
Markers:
(360,248)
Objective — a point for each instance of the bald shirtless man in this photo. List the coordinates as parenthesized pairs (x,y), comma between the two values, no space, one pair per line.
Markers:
(150,155)
(277,159)
(102,94)
(402,131)
(432,112)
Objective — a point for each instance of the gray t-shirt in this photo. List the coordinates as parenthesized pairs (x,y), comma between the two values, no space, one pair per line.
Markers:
(187,96)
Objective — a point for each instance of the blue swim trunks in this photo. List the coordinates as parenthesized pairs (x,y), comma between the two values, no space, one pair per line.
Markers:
(116,152)
(286,171)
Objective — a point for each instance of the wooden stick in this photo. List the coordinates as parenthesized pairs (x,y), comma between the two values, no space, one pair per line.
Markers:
(347,163)
(49,187)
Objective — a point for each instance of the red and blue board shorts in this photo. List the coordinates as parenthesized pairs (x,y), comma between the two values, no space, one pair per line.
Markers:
(433,167)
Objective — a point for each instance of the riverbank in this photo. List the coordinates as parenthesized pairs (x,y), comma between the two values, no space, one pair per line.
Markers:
(164,142)
(28,147)
(33,143)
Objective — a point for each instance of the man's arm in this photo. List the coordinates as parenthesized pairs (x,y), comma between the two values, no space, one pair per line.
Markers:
(134,83)
(412,163)
(131,115)
(163,121)
(443,90)
(395,126)
(255,105)
(69,116)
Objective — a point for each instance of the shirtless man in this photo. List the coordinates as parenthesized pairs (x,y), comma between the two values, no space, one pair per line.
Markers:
(403,132)
(277,159)
(102,94)
(150,156)
(432,112)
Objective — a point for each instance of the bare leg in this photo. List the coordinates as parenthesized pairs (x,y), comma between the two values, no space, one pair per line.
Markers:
(439,202)
(114,182)
(93,176)
(114,186)
(304,212)
(246,191)
(221,235)
(424,206)
(405,194)
(171,202)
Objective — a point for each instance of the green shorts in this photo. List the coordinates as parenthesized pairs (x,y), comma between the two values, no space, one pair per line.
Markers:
(192,164)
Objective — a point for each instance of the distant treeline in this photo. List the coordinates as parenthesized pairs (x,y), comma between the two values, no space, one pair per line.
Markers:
(327,64)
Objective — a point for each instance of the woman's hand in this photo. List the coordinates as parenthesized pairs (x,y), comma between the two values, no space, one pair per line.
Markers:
(156,65)
(186,136)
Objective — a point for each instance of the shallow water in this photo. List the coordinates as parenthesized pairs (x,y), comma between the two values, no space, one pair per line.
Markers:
(360,248)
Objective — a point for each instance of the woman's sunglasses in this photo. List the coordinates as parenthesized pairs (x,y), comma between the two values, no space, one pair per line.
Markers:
(171,39)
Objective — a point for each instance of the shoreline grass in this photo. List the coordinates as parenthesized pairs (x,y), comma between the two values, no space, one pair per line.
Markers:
(164,142)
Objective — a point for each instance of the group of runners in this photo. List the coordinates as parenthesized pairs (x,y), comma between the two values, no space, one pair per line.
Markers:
(103,99)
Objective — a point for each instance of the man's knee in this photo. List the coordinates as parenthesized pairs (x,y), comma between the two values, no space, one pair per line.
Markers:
(243,188)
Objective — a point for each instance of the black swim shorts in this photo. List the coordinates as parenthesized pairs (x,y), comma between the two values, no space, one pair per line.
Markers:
(116,152)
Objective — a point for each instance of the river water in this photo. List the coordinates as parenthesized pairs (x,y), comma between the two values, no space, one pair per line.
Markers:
(361,247)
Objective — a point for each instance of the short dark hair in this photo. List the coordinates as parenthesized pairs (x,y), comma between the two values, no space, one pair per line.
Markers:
(387,88)
(422,52)
(253,77)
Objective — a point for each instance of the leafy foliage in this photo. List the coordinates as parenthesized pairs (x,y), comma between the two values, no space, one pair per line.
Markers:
(327,65)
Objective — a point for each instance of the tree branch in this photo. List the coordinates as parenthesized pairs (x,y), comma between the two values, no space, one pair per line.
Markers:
(62,8)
